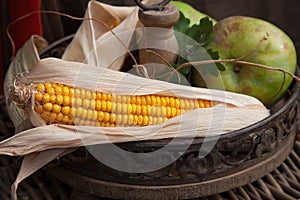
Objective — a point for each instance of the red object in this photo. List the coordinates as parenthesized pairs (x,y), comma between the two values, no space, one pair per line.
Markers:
(23,29)
(1,61)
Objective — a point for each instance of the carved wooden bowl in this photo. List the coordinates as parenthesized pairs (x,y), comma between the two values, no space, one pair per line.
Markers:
(237,158)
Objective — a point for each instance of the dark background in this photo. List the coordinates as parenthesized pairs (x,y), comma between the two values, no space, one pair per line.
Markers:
(282,13)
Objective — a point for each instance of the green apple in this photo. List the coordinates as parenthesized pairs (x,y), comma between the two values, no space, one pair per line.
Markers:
(190,12)
(234,37)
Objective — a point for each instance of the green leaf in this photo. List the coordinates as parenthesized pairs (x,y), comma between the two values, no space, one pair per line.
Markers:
(202,34)
(221,67)
(205,30)
(193,32)
(215,56)
(182,25)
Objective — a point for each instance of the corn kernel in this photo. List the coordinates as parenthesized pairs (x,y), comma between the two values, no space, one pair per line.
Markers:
(38,96)
(48,107)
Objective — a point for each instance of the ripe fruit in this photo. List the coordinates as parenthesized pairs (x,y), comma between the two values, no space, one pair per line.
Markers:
(234,37)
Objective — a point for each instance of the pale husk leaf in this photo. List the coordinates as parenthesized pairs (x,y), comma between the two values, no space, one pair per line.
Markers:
(48,141)
(25,59)
(89,44)
(44,143)
(220,119)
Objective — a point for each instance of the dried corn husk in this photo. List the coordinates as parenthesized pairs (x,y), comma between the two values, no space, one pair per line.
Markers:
(235,111)
(81,69)
(25,59)
(220,119)
(89,46)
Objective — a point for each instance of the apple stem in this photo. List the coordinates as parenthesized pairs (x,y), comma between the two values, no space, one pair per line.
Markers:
(254,49)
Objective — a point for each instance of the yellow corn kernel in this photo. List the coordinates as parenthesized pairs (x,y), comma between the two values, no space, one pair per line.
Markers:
(38,96)
(100,116)
(148,100)
(201,103)
(144,110)
(153,110)
(66,110)
(169,111)
(163,101)
(59,99)
(106,117)
(58,103)
(167,101)
(192,104)
(145,120)
(98,105)
(83,94)
(65,119)
(113,118)
(158,101)
(92,104)
(158,110)
(77,93)
(118,119)
(207,104)
(108,106)
(130,119)
(52,117)
(95,115)
(86,103)
(103,106)
(66,100)
(177,103)
(88,95)
(172,102)
(94,95)
(149,109)
(173,112)
(138,100)
(78,112)
(132,100)
(104,97)
(58,90)
(140,120)
(99,95)
(129,108)
(66,91)
(135,119)
(124,119)
(50,90)
(53,98)
(48,107)
(56,108)
(138,109)
(89,115)
(78,102)
(143,100)
(46,98)
(40,87)
(47,85)
(153,100)
(59,117)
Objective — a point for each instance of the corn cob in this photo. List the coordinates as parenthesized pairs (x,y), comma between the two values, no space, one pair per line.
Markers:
(58,103)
